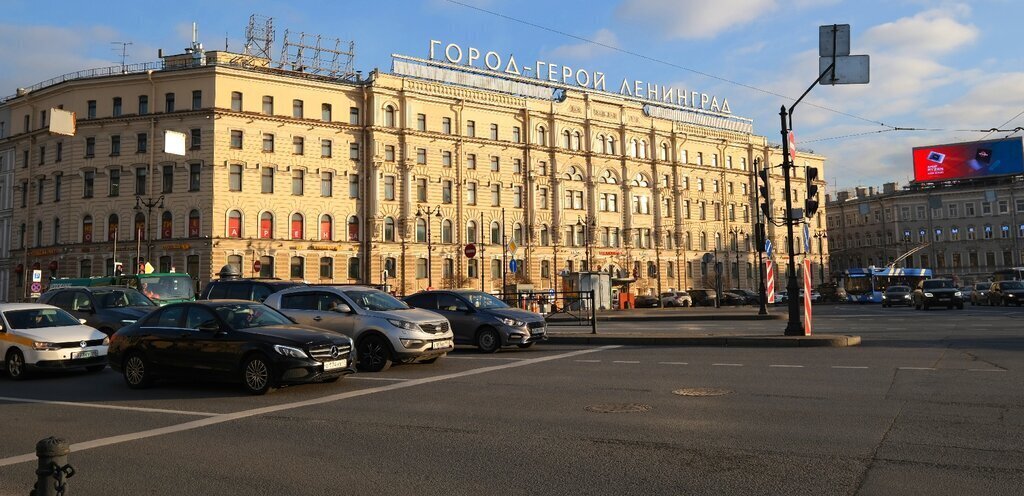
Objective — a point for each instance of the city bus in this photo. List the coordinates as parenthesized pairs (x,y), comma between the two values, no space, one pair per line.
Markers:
(867,285)
(1011,274)
(163,288)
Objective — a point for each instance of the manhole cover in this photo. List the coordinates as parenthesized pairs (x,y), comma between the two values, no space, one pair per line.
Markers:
(701,392)
(618,408)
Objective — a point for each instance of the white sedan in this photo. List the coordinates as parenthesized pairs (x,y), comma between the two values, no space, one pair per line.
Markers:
(34,336)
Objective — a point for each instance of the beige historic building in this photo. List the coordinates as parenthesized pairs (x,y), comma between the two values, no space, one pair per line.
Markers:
(968,230)
(327,180)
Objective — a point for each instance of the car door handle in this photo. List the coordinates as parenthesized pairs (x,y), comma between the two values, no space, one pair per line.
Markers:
(318,318)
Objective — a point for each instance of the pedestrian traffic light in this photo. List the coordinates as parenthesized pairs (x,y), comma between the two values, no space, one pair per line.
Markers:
(762,189)
(811,203)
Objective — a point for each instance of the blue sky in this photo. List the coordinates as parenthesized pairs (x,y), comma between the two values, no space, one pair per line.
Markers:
(944,65)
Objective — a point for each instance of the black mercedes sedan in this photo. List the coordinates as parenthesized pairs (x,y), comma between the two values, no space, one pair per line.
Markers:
(228,340)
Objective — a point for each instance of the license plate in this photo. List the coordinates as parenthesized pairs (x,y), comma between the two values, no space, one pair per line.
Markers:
(84,354)
(335,364)
(441,344)
(539,330)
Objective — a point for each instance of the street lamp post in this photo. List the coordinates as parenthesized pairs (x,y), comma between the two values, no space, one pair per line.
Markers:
(820,236)
(736,233)
(427,212)
(586,239)
(148,204)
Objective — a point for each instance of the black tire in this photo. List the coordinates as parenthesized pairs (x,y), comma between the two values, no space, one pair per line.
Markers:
(374,354)
(488,340)
(258,376)
(525,345)
(686,304)
(136,371)
(95,368)
(15,361)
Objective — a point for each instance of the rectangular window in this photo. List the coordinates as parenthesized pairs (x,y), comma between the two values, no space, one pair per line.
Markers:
(1004,206)
(389,153)
(42,155)
(87,186)
(91,109)
(268,105)
(421,190)
(39,194)
(115,145)
(168,179)
(58,181)
(267,180)
(494,131)
(446,158)
(297,109)
(446,191)
(495,195)
(471,161)
(117,107)
(236,139)
(446,125)
(141,143)
(517,166)
(235,177)
(195,137)
(353,115)
(517,197)
(353,151)
(197,99)
(986,208)
(327,184)
(421,122)
(140,180)
(268,142)
(169,102)
(353,185)
(968,209)
(421,156)
(115,182)
(325,112)
(298,145)
(143,104)
(194,177)
(389,188)
(236,101)
(471,129)
(60,152)
(471,193)
(542,197)
(298,179)
(325,148)
(495,164)
(517,136)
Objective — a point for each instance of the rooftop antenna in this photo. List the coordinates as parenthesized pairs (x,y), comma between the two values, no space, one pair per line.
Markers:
(124,51)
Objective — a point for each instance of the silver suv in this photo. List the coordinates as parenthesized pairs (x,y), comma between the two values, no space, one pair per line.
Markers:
(385,330)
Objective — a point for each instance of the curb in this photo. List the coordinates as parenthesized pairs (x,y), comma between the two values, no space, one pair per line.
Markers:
(822,340)
(676,318)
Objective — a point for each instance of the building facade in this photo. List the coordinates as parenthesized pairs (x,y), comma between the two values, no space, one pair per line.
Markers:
(381,180)
(967,230)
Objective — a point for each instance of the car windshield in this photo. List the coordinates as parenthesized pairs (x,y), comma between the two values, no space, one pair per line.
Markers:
(479,299)
(984,285)
(1011,285)
(120,298)
(248,315)
(898,289)
(38,318)
(938,284)
(166,287)
(375,300)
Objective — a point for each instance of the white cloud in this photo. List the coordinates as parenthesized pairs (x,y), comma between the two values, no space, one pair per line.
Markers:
(585,50)
(36,53)
(693,18)
(932,32)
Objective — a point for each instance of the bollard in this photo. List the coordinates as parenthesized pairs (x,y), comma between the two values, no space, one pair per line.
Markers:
(53,470)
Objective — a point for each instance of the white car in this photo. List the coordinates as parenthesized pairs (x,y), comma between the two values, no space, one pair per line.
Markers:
(34,336)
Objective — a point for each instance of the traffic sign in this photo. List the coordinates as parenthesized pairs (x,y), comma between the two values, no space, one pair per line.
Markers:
(256,266)
(791,137)
(37,275)
(513,265)
(512,246)
(470,250)
(768,247)
(36,289)
(807,240)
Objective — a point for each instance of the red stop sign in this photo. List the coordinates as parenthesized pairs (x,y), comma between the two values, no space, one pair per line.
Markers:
(256,266)
(470,250)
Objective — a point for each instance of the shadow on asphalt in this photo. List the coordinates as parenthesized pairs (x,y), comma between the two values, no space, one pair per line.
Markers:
(996,343)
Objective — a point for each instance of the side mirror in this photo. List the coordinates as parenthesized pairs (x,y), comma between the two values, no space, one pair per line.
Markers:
(343,308)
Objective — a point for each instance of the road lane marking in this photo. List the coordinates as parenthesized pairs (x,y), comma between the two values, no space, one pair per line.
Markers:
(848,367)
(588,361)
(673,363)
(987,370)
(482,358)
(109,407)
(726,364)
(227,417)
(787,366)
(376,378)
(915,368)
(625,361)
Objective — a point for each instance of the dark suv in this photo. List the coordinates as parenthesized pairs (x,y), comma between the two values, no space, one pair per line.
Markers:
(480,319)
(1006,293)
(702,297)
(937,292)
(107,308)
(256,289)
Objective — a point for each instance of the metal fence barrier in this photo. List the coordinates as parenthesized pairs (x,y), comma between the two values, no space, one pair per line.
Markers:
(559,308)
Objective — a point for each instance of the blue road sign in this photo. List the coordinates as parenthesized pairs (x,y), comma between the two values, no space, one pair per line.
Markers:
(512,265)
(807,239)
(768,247)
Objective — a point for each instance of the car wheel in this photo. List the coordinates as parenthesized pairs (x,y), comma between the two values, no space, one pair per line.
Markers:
(257,375)
(686,304)
(374,354)
(95,368)
(488,340)
(136,372)
(525,345)
(16,364)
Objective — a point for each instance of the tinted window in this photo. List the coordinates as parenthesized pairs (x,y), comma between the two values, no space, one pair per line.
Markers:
(61,299)
(451,303)
(82,302)
(428,301)
(1011,285)
(170,317)
(375,300)
(121,298)
(299,301)
(239,291)
(245,316)
(200,317)
(260,292)
(328,301)
(218,291)
(984,285)
(38,318)
(937,284)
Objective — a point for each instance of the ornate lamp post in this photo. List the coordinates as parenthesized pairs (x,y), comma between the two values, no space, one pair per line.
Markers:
(736,233)
(820,236)
(148,204)
(422,212)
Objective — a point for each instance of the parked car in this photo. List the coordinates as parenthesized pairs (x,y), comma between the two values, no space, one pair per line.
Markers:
(255,289)
(646,301)
(36,336)
(480,319)
(832,293)
(815,296)
(1006,293)
(228,340)
(732,299)
(676,299)
(937,292)
(385,330)
(781,297)
(980,294)
(967,292)
(107,308)
(702,297)
(896,295)
(751,296)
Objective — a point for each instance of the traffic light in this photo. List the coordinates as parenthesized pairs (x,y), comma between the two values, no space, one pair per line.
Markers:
(811,203)
(762,189)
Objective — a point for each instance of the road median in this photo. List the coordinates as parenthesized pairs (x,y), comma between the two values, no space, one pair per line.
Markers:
(731,341)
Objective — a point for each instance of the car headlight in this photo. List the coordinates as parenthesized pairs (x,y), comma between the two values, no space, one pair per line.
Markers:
(512,322)
(289,351)
(127,322)
(884,297)
(401,324)
(928,295)
(906,297)
(106,340)
(412,343)
(958,293)
(44,346)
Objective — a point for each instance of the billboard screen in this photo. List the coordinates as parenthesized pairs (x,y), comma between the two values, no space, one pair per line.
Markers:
(969,160)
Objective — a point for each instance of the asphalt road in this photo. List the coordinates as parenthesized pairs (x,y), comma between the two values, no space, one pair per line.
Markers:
(930,403)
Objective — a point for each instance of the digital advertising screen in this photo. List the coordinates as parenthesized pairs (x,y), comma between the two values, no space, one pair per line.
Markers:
(969,160)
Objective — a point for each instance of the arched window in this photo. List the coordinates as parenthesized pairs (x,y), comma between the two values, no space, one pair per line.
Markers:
(634,148)
(389,116)
(234,224)
(140,226)
(545,235)
(566,139)
(517,233)
(166,225)
(267,225)
(643,149)
(663,153)
(574,174)
(576,138)
(609,177)
(542,136)
(298,226)
(599,144)
(703,240)
(326,227)
(718,241)
(446,231)
(353,228)
(641,180)
(495,233)
(193,224)
(389,229)
(471,232)
(297,269)
(611,145)
(113,222)
(688,240)
(421,231)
